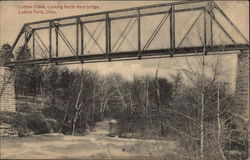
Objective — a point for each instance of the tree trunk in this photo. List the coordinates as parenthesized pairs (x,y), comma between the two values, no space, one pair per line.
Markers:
(158,101)
(77,106)
(202,136)
(202,126)
(146,107)
(74,123)
(219,126)
(65,116)
(93,111)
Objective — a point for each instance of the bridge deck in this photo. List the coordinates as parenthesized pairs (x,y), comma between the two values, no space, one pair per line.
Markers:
(149,54)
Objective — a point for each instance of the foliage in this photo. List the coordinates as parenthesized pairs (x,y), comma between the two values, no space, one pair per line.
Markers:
(37,123)
(23,53)
(26,124)
(5,54)
(7,117)
(34,122)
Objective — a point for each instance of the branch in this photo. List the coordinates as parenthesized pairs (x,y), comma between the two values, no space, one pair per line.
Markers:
(183,133)
(184,115)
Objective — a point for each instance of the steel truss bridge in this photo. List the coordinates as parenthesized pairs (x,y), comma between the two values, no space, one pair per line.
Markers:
(161,30)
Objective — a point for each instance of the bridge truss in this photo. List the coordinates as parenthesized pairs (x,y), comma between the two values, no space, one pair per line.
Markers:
(165,30)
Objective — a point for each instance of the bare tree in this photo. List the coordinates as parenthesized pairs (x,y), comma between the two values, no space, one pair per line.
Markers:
(219,126)
(78,103)
(158,100)
(106,90)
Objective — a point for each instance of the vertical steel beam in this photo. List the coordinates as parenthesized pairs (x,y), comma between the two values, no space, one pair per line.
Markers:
(139,33)
(77,36)
(172,30)
(50,40)
(173,14)
(221,27)
(33,36)
(108,36)
(56,31)
(109,25)
(82,40)
(25,44)
(18,37)
(211,30)
(205,29)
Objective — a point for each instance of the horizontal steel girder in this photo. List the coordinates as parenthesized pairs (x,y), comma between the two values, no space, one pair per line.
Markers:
(132,55)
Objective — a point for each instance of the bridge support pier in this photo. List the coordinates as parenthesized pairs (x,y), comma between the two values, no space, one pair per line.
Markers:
(242,87)
(7,90)
(242,81)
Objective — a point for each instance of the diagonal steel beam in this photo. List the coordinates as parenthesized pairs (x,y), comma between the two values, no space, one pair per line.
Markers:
(156,31)
(122,33)
(65,40)
(18,37)
(93,38)
(126,17)
(41,42)
(125,37)
(34,46)
(223,29)
(189,30)
(199,34)
(120,10)
(228,19)
(97,38)
(95,30)
(128,31)
(44,54)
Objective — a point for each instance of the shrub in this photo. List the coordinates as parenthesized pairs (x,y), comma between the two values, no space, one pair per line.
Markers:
(53,124)
(37,123)
(29,123)
(33,123)
(7,117)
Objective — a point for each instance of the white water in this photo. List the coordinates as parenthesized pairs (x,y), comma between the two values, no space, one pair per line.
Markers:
(94,145)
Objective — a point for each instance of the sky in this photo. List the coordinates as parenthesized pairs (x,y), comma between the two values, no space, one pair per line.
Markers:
(11,22)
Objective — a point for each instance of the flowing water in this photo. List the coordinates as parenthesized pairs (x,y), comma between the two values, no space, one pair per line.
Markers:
(97,144)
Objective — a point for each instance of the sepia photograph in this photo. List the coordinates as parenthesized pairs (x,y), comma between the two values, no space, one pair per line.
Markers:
(123,80)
